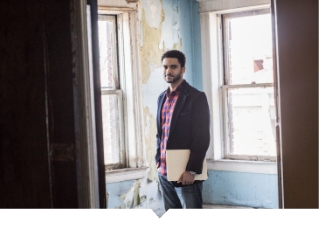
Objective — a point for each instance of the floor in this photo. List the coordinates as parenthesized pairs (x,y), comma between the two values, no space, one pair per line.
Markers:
(211,206)
(161,212)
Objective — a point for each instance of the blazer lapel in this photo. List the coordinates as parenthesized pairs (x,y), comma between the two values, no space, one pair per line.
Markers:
(180,102)
(160,104)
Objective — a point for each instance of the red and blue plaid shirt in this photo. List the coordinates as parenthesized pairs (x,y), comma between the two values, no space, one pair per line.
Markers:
(166,116)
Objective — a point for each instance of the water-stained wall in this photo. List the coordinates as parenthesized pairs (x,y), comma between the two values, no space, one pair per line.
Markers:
(175,24)
(164,25)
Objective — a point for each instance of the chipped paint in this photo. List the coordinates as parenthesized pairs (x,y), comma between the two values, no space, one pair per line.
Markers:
(175,24)
(163,26)
(153,12)
(131,198)
(171,25)
(149,52)
(150,145)
(154,86)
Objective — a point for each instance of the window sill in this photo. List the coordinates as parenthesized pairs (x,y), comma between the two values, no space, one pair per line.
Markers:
(118,175)
(243,166)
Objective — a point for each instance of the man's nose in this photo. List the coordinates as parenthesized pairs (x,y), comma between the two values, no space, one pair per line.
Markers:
(168,71)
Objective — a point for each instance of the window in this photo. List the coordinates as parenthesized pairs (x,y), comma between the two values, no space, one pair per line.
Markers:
(238,80)
(247,90)
(121,97)
(112,104)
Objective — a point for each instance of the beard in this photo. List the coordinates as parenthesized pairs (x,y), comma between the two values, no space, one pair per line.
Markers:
(174,78)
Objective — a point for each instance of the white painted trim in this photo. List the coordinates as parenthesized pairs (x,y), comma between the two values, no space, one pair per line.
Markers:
(211,71)
(117,4)
(89,191)
(228,6)
(113,10)
(212,81)
(91,125)
(113,176)
(130,84)
(206,70)
(141,156)
(243,166)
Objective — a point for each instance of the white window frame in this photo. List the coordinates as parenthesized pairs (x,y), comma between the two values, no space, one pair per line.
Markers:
(129,76)
(118,92)
(212,68)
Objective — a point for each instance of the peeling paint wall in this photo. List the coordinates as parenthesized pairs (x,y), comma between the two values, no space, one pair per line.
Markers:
(164,25)
(138,194)
(175,24)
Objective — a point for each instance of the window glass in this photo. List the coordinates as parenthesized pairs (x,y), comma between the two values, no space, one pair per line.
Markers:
(111,131)
(248,42)
(108,53)
(251,121)
(111,94)
(248,85)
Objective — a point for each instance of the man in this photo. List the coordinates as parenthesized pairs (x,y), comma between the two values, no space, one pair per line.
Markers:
(182,123)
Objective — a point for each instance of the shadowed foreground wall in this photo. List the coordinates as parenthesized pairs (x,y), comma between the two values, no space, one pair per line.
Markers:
(36,104)
(297,27)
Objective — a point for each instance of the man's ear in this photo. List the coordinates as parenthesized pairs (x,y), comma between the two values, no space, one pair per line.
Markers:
(183,69)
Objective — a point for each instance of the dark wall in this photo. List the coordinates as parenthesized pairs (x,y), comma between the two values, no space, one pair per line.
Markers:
(297,23)
(37,158)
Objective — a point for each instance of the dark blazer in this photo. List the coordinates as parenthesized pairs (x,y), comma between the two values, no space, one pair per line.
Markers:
(190,126)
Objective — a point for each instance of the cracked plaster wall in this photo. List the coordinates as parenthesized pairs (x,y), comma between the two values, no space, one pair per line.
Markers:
(164,25)
(175,24)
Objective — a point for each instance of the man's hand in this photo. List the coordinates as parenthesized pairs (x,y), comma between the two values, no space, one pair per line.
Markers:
(186,178)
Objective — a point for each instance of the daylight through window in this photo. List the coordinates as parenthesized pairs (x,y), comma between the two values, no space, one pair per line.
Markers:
(111,92)
(248,93)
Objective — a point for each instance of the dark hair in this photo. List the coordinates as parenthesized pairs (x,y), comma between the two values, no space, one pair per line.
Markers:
(175,54)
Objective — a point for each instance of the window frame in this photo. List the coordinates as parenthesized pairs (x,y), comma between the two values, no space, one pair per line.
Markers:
(134,156)
(227,142)
(212,66)
(227,84)
(118,92)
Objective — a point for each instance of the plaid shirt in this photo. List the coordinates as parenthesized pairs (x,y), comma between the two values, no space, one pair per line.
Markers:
(166,116)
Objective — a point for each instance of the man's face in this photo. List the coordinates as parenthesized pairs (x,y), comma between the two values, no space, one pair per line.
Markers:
(172,70)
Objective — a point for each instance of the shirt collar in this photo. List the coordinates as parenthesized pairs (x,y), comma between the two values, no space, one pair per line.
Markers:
(175,92)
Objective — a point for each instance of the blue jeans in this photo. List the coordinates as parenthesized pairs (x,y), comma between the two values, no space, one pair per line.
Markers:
(187,197)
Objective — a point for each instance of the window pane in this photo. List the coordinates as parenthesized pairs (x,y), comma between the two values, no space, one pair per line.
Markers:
(248,48)
(111,133)
(251,121)
(107,44)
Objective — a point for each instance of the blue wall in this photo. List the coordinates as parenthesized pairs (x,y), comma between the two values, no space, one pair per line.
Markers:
(225,188)
(114,191)
(241,189)
(191,39)
(185,18)
(196,44)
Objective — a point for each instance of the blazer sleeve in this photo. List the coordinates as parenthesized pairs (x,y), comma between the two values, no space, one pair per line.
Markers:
(200,133)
